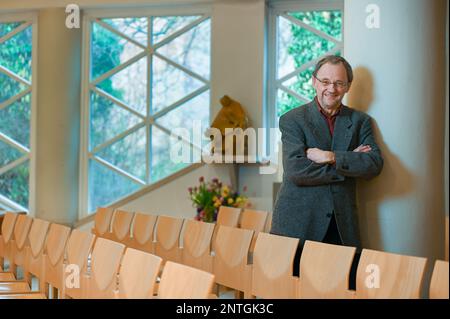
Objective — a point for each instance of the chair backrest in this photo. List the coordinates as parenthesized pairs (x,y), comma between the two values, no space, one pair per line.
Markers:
(197,244)
(21,230)
(228,216)
(254,220)
(439,280)
(105,262)
(231,257)
(325,270)
(78,249)
(102,220)
(9,220)
(273,262)
(184,282)
(57,238)
(121,225)
(168,232)
(389,276)
(137,276)
(142,236)
(37,236)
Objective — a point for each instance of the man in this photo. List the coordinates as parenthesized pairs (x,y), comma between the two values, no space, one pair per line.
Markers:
(326,145)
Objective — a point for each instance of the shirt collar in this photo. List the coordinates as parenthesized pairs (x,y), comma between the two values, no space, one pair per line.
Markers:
(324,113)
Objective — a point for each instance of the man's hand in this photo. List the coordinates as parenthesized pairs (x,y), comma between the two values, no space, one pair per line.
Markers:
(362,149)
(320,157)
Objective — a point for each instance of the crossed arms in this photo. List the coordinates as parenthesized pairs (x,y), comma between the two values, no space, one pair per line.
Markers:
(313,166)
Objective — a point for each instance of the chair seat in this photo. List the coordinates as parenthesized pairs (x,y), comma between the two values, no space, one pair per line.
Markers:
(14,287)
(7,276)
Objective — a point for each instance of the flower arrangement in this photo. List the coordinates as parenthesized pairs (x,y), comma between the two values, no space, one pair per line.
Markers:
(209,196)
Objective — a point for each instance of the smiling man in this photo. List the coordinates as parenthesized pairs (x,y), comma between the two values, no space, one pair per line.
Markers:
(326,146)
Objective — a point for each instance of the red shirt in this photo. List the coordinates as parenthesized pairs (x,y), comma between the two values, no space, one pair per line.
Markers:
(330,120)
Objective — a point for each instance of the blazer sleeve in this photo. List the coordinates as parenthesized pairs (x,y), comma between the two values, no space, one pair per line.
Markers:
(364,165)
(297,167)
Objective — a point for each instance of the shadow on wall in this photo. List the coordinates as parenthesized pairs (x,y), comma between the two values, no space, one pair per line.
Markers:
(395,180)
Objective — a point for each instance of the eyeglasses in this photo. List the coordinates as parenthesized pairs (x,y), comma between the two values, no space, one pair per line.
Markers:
(338,84)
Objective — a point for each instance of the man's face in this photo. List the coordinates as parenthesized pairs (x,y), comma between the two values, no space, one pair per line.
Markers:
(330,96)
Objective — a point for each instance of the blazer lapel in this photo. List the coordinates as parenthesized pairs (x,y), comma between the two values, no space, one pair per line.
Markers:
(320,129)
(342,130)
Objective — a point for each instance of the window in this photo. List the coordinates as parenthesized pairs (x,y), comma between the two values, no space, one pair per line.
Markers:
(16,109)
(301,35)
(147,75)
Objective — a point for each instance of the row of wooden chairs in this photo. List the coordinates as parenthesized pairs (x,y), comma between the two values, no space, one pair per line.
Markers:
(77,264)
(266,270)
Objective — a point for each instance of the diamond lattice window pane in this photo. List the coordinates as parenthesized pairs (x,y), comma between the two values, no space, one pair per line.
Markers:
(108,120)
(329,22)
(15,54)
(162,163)
(191,49)
(14,184)
(15,120)
(6,28)
(135,28)
(286,102)
(170,84)
(165,26)
(128,153)
(129,86)
(196,109)
(9,87)
(106,186)
(302,84)
(8,154)
(297,46)
(109,50)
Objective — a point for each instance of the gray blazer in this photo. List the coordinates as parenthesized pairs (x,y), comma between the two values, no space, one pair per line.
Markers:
(311,192)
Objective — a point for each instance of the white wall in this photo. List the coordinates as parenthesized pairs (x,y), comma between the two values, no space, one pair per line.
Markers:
(401,70)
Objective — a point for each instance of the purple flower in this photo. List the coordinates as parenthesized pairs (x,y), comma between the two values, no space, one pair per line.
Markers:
(201,179)
(190,190)
(215,180)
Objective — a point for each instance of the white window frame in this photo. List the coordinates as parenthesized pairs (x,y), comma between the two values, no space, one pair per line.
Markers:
(88,17)
(29,18)
(277,8)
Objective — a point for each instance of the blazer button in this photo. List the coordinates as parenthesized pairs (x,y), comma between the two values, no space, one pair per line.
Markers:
(329,215)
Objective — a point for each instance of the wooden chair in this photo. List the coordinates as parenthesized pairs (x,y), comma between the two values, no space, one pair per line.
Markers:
(325,271)
(101,282)
(389,276)
(268,225)
(35,251)
(227,216)
(439,280)
(121,226)
(137,276)
(254,220)
(102,221)
(142,237)
(273,262)
(31,258)
(167,242)
(57,239)
(197,244)
(78,249)
(6,235)
(18,244)
(230,265)
(184,282)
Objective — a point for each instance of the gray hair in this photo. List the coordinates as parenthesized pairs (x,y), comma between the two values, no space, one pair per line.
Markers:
(334,59)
